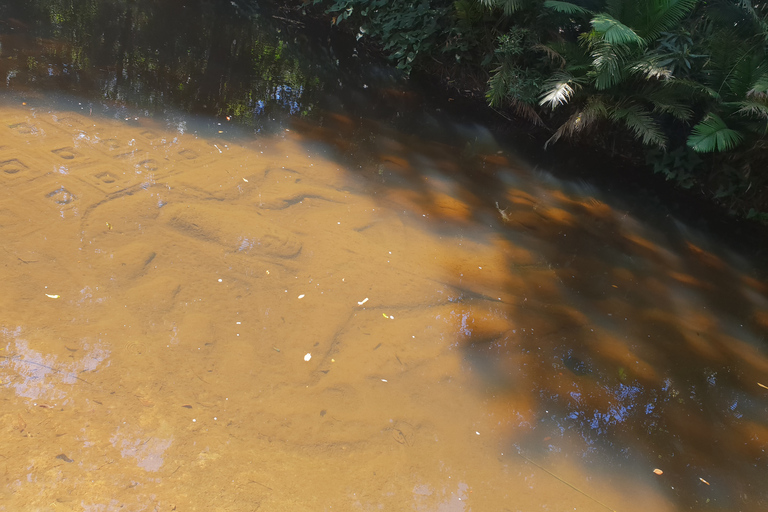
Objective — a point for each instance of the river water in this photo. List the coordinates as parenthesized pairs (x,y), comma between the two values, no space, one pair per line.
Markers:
(223,300)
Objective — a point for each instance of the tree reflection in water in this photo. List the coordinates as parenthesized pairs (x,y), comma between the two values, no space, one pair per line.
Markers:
(157,56)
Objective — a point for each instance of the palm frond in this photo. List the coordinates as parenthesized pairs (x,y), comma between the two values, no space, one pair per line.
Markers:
(554,55)
(613,31)
(651,65)
(509,84)
(759,86)
(497,87)
(641,123)
(607,60)
(527,112)
(557,90)
(508,6)
(672,98)
(663,15)
(754,108)
(695,87)
(565,7)
(712,134)
(580,121)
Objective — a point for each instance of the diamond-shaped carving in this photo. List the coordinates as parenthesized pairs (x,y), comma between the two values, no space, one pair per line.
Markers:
(72,122)
(149,164)
(150,135)
(106,177)
(12,167)
(61,196)
(111,144)
(23,128)
(188,154)
(66,153)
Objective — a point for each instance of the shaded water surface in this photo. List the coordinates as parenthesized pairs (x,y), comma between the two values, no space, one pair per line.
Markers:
(330,314)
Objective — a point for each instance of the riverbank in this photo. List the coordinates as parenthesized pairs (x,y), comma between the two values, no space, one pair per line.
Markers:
(630,180)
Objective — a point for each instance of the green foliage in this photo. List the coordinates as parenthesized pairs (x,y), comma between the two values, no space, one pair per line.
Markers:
(614,32)
(712,134)
(680,77)
(408,30)
(679,165)
(565,7)
(507,6)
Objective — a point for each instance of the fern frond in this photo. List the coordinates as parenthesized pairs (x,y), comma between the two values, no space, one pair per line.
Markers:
(712,134)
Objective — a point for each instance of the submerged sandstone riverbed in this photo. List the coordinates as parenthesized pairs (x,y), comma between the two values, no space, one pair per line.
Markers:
(338,313)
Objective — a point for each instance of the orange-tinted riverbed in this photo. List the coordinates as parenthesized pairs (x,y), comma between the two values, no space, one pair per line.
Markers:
(254,323)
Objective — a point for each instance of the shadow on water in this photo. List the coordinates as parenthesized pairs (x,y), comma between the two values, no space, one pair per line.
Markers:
(599,337)
(635,347)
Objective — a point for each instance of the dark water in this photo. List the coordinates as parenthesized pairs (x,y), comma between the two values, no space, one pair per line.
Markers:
(199,195)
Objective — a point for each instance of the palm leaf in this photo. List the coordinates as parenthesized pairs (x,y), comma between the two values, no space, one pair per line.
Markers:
(527,112)
(677,110)
(663,15)
(712,134)
(565,7)
(580,120)
(607,61)
(508,6)
(498,86)
(557,90)
(759,86)
(755,108)
(613,31)
(553,54)
(641,123)
(671,98)
(651,65)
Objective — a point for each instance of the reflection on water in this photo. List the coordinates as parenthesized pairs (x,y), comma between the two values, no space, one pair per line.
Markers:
(198,57)
(338,316)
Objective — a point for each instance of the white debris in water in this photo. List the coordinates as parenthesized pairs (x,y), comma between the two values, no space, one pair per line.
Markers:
(308,356)
(301,296)
(362,301)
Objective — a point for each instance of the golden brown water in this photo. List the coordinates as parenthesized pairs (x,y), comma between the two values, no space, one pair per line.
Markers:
(233,325)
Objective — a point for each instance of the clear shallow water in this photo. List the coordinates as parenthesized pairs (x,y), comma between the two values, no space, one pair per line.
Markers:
(480,337)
